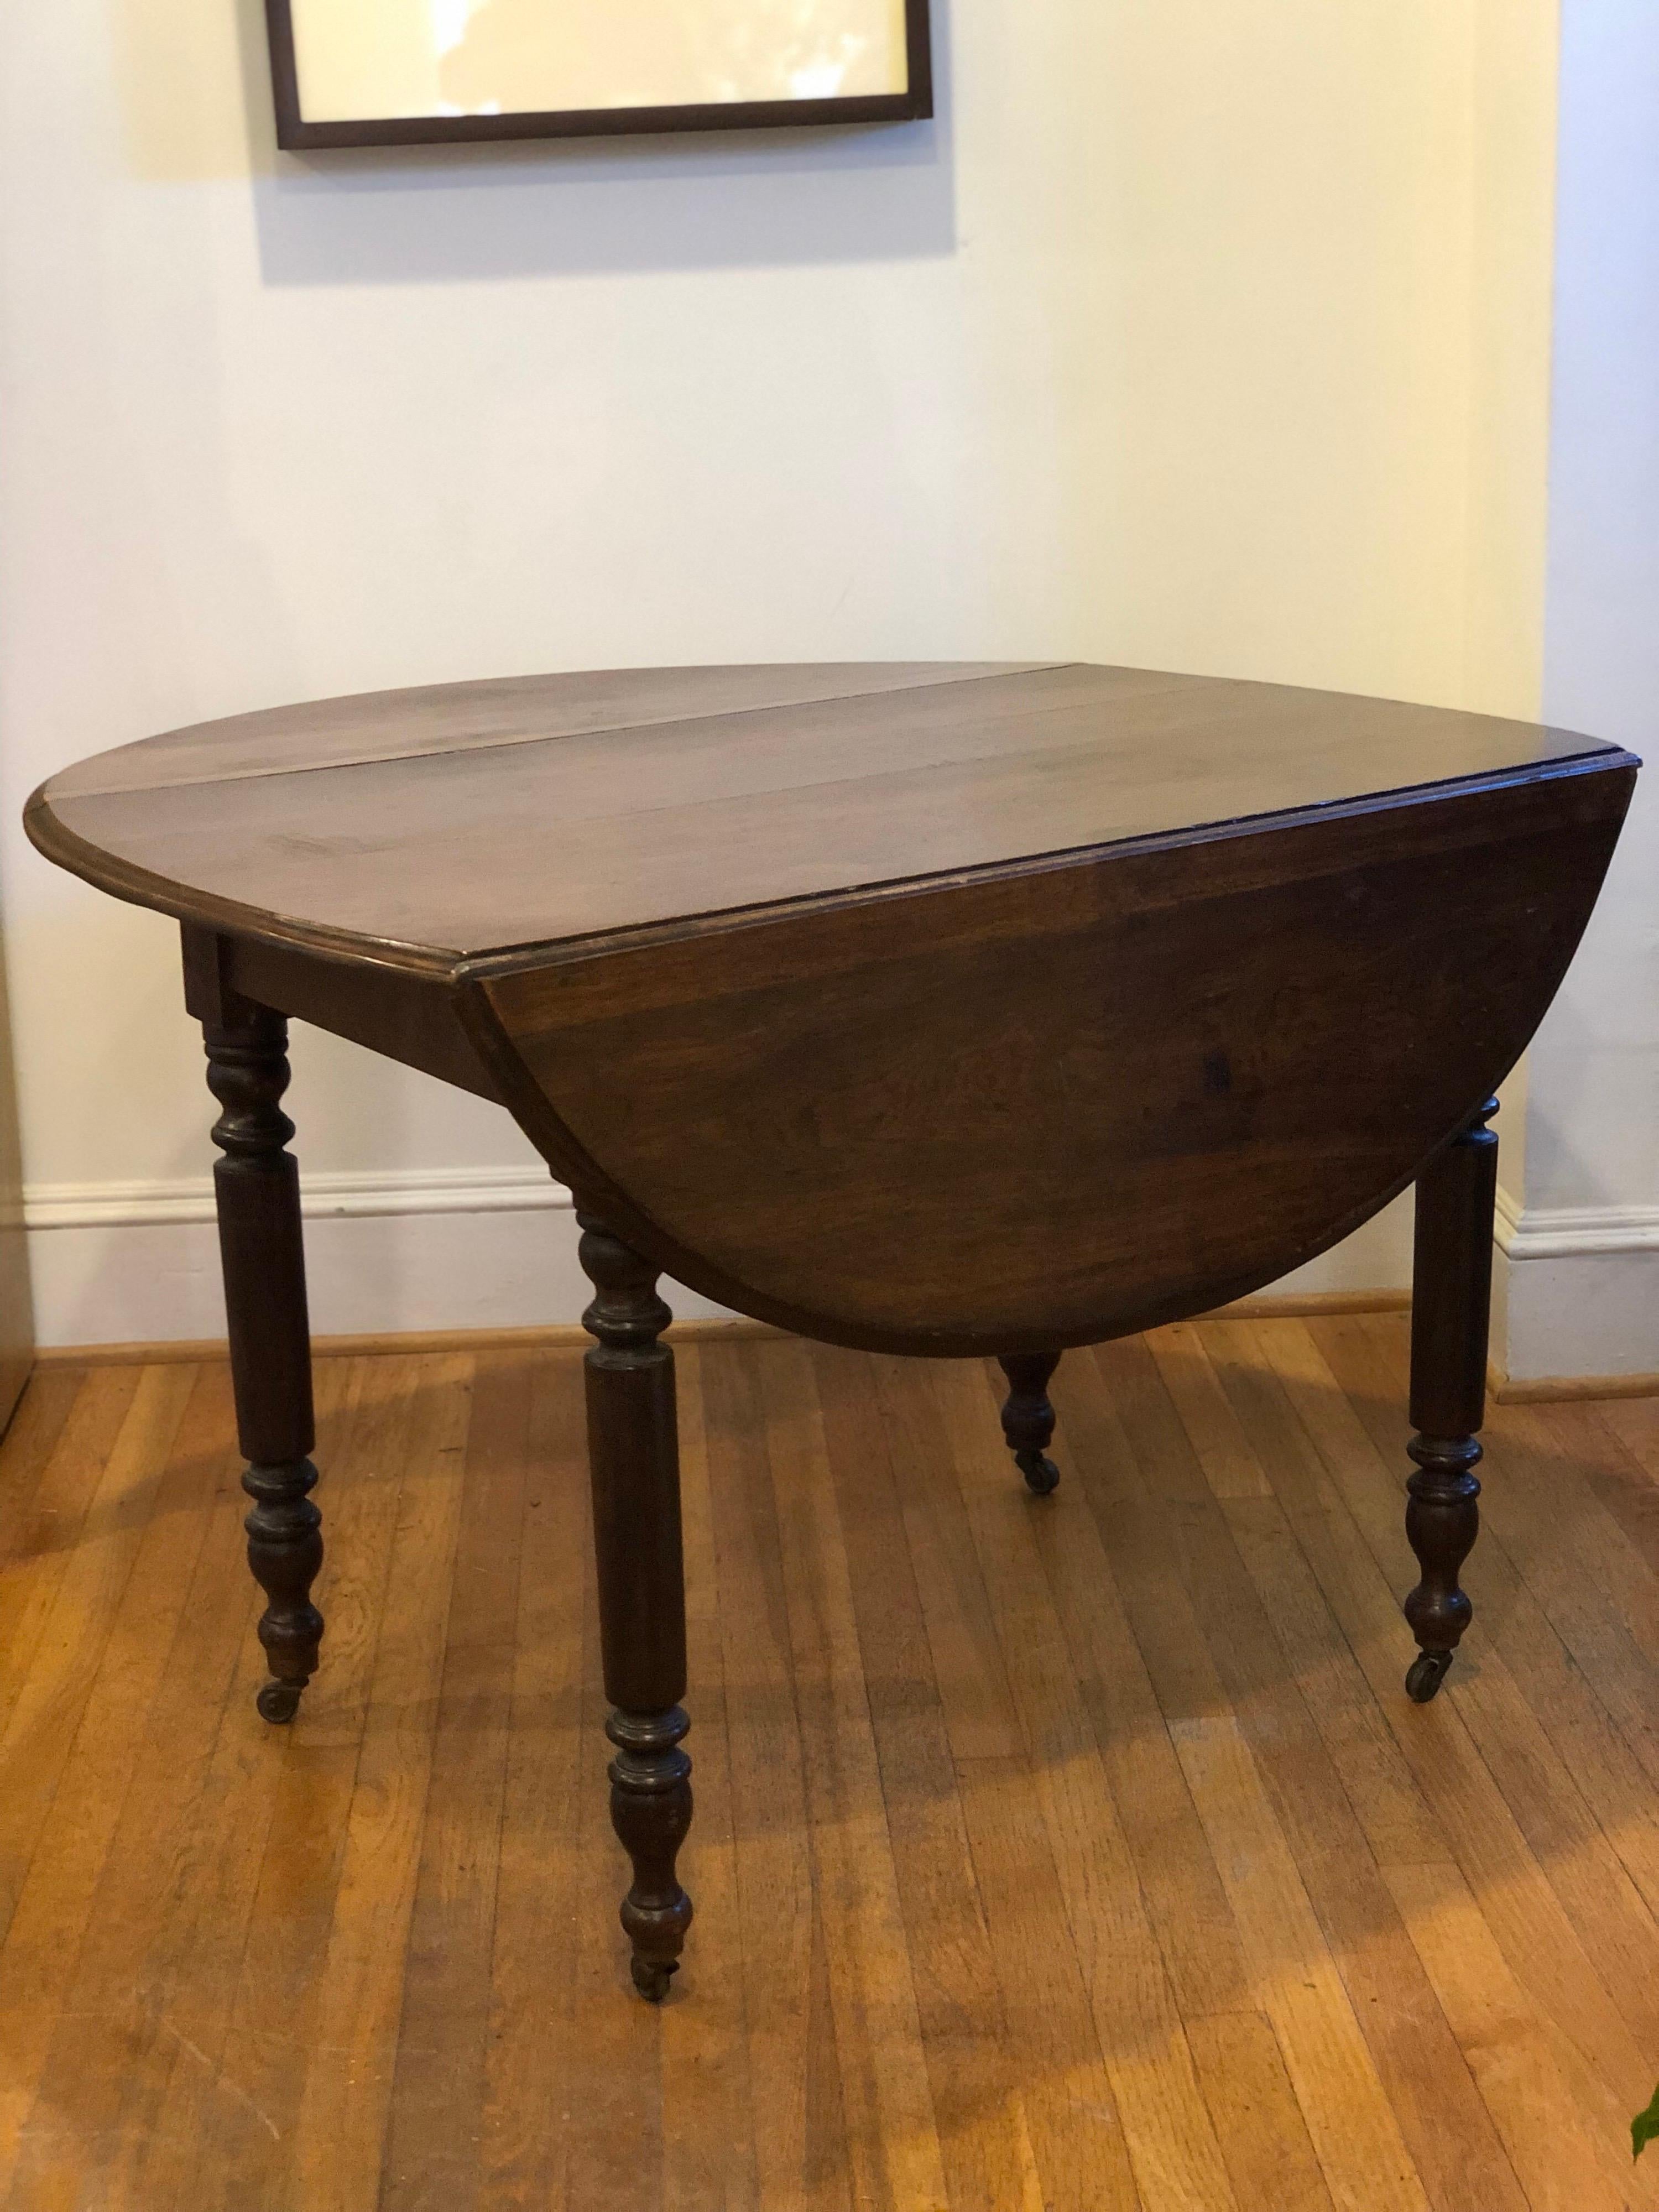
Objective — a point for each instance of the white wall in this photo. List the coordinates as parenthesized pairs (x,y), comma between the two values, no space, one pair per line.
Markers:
(1583,1273)
(1160,345)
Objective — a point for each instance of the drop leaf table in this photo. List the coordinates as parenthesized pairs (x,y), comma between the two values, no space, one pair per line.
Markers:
(956,1010)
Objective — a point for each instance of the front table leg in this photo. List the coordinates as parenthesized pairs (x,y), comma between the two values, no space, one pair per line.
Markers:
(632,1452)
(257,1188)
(1451,1305)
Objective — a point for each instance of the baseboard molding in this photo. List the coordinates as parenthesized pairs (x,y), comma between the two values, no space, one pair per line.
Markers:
(486,1256)
(408,1344)
(1566,1389)
(1522,1233)
(401,1253)
(1572,1232)
(1311,1305)
(1576,1300)
(571,1336)
(385,1254)
(353,1196)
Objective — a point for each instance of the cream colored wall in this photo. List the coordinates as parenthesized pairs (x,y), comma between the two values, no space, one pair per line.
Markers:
(17,1298)
(1171,341)
(1511,249)
(1511,242)
(1584,1255)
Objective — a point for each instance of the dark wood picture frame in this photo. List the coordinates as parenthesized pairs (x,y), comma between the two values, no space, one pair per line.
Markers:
(295,135)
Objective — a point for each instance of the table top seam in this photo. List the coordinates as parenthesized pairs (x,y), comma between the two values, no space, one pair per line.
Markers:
(1002,673)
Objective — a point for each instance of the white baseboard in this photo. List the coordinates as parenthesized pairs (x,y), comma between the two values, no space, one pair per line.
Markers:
(353,1196)
(386,1254)
(1576,1290)
(409,1250)
(1573,1232)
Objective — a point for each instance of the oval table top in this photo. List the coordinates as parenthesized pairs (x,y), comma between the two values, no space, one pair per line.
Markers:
(430,827)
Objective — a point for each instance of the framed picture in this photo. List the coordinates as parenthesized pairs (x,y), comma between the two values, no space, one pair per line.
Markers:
(420,72)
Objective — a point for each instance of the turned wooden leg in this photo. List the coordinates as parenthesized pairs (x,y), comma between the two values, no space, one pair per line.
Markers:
(1451,1305)
(633,1450)
(1028,1418)
(256,1186)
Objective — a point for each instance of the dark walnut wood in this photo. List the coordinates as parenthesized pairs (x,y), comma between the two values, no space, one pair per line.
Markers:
(634,1453)
(973,1010)
(1054,1105)
(1177,980)
(1028,1418)
(398,1013)
(256,1186)
(1451,1306)
(425,828)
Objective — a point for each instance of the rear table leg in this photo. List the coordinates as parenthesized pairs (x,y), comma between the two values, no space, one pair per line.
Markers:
(1028,1418)
(1451,1305)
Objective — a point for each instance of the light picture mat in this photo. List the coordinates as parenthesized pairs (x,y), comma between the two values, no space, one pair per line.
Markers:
(361,60)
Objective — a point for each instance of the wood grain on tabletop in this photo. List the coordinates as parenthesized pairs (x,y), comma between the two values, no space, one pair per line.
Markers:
(477,817)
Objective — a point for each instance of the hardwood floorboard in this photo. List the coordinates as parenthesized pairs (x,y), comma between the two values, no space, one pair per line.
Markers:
(892,2138)
(192,1963)
(27,1447)
(1051,2043)
(434,2123)
(983,2130)
(1173,1863)
(1238,1724)
(611,2113)
(530,2047)
(106,1747)
(798,2122)
(101,2036)
(1264,2137)
(1166,2123)
(1078,1854)
(340,2113)
(77,1546)
(1613,1464)
(240,2008)
(1521,1912)
(1325,1781)
(709,2152)
(1635,1422)
(281,1986)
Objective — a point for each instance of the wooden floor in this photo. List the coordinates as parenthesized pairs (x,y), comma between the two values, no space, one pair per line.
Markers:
(1080,1853)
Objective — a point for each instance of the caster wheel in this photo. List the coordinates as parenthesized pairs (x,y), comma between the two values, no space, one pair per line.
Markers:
(278,1702)
(1427,1672)
(652,1977)
(1041,1474)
